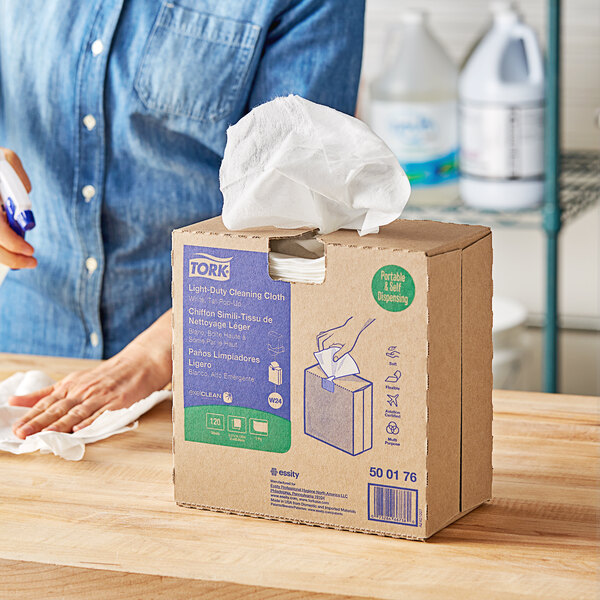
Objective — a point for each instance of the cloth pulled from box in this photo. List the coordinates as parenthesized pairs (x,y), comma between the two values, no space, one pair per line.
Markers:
(70,446)
(333,369)
(292,163)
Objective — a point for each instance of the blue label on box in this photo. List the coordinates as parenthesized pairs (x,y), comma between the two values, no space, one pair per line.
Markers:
(236,345)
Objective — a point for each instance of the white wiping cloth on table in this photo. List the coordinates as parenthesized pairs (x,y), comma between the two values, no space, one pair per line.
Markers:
(70,446)
(293,163)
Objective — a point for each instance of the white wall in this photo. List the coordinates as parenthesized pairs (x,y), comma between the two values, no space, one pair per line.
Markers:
(519,265)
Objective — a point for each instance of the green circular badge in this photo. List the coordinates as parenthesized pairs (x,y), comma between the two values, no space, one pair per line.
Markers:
(393,288)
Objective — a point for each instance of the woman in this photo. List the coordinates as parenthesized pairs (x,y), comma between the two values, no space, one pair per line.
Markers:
(119,111)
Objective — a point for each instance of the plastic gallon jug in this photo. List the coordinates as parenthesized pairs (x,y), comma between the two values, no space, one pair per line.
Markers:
(414,109)
(501,92)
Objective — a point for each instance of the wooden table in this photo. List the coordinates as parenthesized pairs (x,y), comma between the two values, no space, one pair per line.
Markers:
(108,527)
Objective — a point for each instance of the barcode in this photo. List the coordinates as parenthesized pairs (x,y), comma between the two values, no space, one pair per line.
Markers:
(393,504)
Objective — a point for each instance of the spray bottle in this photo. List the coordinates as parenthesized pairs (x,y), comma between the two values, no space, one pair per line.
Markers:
(15,203)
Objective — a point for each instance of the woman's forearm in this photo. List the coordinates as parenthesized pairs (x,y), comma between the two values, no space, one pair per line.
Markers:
(151,349)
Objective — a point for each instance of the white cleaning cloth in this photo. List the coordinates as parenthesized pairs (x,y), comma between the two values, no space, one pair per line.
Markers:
(293,163)
(336,368)
(70,446)
(300,260)
(292,268)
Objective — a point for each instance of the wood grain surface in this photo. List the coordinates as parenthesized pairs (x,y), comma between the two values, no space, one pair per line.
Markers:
(107,526)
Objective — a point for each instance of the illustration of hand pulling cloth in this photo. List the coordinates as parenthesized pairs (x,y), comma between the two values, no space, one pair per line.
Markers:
(70,446)
(336,368)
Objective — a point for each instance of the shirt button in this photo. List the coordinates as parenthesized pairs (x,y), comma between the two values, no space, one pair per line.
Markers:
(89,122)
(91,264)
(97,47)
(94,340)
(88,191)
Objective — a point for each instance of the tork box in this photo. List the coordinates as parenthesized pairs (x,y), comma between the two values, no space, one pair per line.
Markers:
(395,438)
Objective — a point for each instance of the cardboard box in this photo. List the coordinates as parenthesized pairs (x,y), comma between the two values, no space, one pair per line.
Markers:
(396,439)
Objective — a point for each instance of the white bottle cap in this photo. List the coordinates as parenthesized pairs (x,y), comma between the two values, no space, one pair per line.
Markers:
(505,11)
(413,16)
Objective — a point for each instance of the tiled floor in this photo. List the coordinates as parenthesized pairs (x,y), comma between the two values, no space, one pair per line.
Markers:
(579,363)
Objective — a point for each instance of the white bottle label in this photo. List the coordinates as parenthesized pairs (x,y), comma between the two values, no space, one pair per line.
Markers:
(422,135)
(504,142)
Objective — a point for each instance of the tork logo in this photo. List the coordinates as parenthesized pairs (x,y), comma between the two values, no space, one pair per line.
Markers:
(211,267)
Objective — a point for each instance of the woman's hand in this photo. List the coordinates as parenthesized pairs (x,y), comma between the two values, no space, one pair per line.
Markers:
(15,252)
(141,368)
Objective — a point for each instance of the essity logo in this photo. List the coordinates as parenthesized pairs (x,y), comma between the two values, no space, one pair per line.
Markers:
(211,267)
(282,473)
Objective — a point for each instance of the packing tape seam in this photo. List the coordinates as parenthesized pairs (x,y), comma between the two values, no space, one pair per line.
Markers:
(226,234)
(299,236)
(298,521)
(379,248)
(302,230)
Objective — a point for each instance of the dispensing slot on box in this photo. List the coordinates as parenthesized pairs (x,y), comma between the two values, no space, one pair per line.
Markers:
(328,384)
(299,259)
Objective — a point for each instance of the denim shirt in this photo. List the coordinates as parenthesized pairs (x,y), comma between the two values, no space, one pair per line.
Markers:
(118,110)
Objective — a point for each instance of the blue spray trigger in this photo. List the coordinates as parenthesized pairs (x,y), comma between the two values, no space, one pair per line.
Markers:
(21,221)
(26,220)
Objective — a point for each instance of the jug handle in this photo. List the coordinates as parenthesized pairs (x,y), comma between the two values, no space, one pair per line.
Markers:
(532,50)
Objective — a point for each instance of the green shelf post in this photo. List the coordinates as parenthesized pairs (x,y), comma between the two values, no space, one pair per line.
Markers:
(552,216)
